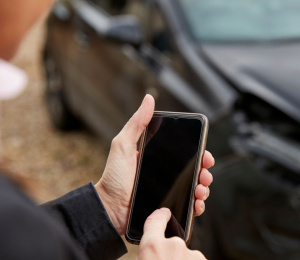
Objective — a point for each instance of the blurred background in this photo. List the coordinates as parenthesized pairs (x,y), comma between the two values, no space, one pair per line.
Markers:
(91,62)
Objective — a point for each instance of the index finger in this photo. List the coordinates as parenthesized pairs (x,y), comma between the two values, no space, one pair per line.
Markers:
(156,223)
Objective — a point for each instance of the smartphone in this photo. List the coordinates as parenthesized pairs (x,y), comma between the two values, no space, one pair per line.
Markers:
(170,159)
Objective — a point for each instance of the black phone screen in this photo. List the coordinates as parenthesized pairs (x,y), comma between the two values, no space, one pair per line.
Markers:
(166,172)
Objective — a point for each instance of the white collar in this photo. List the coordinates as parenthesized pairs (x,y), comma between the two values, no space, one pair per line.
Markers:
(12,80)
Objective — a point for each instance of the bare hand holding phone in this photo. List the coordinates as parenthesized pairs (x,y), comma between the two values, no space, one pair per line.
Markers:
(115,186)
(171,151)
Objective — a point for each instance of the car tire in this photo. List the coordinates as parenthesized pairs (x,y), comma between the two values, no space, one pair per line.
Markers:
(59,111)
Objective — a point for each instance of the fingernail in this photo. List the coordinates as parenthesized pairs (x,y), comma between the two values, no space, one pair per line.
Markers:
(206,193)
(165,210)
(203,206)
(144,98)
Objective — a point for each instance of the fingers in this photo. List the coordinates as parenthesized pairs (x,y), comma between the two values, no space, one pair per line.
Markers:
(201,192)
(208,160)
(156,223)
(138,122)
(205,177)
(199,207)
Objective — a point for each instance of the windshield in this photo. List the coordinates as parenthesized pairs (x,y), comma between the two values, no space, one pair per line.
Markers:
(243,20)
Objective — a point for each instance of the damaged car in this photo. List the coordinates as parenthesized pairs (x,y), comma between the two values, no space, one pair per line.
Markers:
(234,61)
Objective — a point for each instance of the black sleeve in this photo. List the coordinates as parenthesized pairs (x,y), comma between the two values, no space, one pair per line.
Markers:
(83,213)
(27,232)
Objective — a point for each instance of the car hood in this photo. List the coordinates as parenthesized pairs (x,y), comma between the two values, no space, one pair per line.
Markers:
(269,71)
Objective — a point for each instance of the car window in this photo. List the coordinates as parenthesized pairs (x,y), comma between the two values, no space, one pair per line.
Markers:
(112,7)
(159,36)
(137,8)
(103,4)
(247,20)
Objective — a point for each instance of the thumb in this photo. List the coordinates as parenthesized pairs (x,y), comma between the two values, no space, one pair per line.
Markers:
(156,223)
(140,119)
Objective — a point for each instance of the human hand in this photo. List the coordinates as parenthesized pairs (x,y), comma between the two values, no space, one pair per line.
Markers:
(154,245)
(115,186)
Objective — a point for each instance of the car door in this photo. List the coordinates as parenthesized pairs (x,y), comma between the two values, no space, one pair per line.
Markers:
(61,47)
(161,59)
(111,71)
(170,78)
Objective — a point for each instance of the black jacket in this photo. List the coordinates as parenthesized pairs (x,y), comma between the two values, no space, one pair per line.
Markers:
(75,226)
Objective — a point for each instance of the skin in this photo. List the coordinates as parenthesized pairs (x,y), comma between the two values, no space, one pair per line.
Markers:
(115,186)
(154,245)
(16,18)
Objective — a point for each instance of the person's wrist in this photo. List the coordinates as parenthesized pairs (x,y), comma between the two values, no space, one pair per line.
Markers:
(109,207)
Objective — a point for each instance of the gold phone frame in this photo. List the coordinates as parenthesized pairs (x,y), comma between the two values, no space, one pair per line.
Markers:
(201,150)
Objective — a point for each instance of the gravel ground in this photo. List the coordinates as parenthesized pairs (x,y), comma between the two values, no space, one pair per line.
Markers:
(58,161)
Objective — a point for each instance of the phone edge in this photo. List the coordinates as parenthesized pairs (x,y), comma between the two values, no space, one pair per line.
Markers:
(141,146)
(191,216)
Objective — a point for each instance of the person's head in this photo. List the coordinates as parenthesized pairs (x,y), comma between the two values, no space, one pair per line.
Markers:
(16,18)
